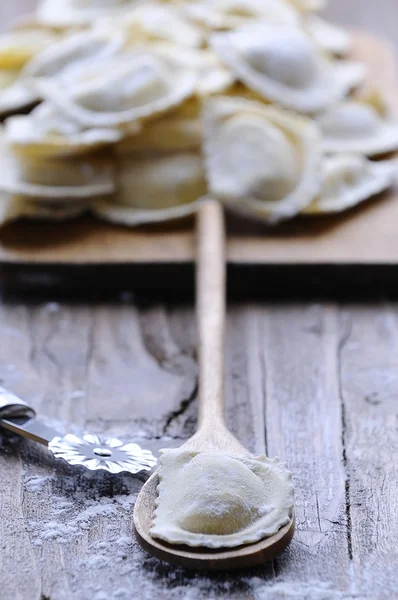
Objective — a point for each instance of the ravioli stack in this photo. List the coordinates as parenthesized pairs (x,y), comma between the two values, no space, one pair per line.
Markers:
(140,109)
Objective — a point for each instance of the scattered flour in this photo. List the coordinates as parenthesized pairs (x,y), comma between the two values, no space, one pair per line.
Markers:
(296,590)
(36,484)
(63,506)
(53,530)
(126,502)
(62,427)
(76,395)
(84,520)
(74,512)
(76,525)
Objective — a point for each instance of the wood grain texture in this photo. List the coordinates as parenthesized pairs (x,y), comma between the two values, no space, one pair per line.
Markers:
(210,315)
(303,423)
(313,383)
(369,385)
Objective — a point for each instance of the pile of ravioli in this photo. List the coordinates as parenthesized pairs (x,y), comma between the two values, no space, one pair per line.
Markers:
(139,109)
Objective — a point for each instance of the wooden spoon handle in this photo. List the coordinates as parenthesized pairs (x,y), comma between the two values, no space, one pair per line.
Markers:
(210,306)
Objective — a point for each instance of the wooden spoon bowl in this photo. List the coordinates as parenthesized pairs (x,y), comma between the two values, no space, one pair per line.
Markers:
(212,434)
(202,558)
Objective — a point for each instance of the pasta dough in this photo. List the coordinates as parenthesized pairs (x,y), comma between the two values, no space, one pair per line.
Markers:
(17,48)
(284,65)
(214,499)
(228,14)
(62,61)
(309,5)
(143,84)
(212,76)
(329,37)
(56,180)
(13,208)
(349,179)
(178,130)
(355,126)
(261,161)
(14,94)
(67,13)
(46,131)
(119,129)
(171,134)
(21,45)
(155,188)
(68,57)
(152,22)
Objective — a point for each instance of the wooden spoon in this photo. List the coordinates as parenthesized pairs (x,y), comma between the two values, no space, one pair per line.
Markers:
(212,432)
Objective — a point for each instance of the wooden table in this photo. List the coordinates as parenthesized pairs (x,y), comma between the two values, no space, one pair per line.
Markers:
(315,383)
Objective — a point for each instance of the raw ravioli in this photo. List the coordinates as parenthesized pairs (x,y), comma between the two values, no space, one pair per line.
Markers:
(68,57)
(349,179)
(13,208)
(216,500)
(46,131)
(156,188)
(309,5)
(212,75)
(21,45)
(355,126)
(329,37)
(284,65)
(260,160)
(171,134)
(67,13)
(63,61)
(152,22)
(14,95)
(55,180)
(228,14)
(145,83)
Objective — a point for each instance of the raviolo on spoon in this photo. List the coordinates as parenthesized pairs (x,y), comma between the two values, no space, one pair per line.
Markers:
(211,504)
(216,499)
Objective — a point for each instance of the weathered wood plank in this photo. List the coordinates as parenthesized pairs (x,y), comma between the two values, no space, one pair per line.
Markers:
(137,374)
(76,529)
(20,576)
(113,368)
(42,357)
(369,389)
(298,347)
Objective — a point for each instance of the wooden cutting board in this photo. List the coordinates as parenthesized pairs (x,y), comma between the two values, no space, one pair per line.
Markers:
(364,236)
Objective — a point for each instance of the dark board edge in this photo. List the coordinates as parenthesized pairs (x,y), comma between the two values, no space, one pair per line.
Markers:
(175,282)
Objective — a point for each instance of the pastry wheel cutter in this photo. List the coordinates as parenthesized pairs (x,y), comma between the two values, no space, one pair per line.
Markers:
(91,451)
